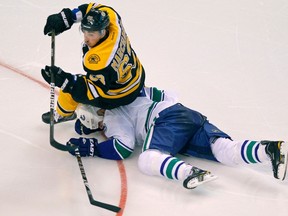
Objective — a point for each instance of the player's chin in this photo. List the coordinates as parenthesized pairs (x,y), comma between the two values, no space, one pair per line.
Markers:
(91,45)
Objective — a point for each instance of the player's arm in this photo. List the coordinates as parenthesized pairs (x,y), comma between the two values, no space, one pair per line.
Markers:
(119,144)
(77,85)
(64,20)
(112,148)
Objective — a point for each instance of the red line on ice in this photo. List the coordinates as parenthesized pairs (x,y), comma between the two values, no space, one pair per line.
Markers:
(120,164)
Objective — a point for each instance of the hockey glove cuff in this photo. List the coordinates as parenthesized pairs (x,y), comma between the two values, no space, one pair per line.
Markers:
(59,22)
(86,146)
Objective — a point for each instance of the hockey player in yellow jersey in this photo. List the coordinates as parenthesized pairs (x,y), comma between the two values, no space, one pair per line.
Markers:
(114,74)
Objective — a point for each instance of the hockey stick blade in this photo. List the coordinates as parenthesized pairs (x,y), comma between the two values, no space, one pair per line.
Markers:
(88,191)
(105,206)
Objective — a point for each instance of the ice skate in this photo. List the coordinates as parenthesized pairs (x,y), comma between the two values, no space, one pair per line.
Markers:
(277,152)
(57,118)
(197,177)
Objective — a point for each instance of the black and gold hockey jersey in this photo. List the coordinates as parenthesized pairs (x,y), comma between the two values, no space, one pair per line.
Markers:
(114,74)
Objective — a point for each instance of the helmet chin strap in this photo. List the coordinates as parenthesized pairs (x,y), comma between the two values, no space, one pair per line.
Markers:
(99,129)
(103,33)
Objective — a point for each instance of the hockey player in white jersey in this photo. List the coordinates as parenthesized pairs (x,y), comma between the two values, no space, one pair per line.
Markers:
(165,128)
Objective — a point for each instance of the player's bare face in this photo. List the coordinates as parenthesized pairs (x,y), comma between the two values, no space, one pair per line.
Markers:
(92,38)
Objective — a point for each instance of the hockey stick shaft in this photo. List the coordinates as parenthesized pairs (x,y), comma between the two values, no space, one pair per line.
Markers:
(89,193)
(52,88)
(53,142)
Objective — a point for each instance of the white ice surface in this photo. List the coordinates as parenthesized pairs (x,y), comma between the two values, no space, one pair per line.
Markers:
(227,59)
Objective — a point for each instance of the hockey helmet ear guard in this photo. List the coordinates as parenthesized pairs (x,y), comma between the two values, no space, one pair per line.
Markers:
(88,116)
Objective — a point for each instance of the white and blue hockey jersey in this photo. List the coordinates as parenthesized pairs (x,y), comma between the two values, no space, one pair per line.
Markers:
(155,120)
(127,125)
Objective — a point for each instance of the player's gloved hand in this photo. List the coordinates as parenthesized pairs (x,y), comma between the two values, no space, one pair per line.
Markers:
(82,129)
(86,146)
(63,80)
(59,22)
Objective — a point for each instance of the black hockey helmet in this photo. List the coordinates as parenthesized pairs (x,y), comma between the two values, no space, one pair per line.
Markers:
(95,20)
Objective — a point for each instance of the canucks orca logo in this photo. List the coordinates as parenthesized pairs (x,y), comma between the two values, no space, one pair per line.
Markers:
(82,117)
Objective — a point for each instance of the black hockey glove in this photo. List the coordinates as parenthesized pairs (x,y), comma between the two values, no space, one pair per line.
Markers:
(86,146)
(59,22)
(82,129)
(63,80)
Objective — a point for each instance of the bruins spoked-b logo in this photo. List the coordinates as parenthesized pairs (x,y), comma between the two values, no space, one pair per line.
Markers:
(90,20)
(93,59)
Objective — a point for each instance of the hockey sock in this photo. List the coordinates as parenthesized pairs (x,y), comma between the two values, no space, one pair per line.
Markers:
(174,168)
(253,152)
(154,162)
(233,153)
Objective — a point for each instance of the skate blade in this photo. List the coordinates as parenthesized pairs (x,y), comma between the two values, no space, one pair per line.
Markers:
(193,183)
(282,169)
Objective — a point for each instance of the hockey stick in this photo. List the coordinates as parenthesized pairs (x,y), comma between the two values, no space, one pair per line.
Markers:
(89,193)
(62,147)
(53,142)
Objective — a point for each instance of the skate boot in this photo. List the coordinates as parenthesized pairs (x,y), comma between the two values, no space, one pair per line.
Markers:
(57,118)
(277,152)
(197,177)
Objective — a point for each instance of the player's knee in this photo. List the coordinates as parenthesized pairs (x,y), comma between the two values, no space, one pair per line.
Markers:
(147,161)
(225,151)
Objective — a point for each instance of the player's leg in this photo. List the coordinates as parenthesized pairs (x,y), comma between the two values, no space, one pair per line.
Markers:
(65,109)
(166,138)
(233,153)
(155,163)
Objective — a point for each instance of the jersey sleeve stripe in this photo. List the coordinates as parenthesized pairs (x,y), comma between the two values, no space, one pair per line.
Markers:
(92,90)
(122,150)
